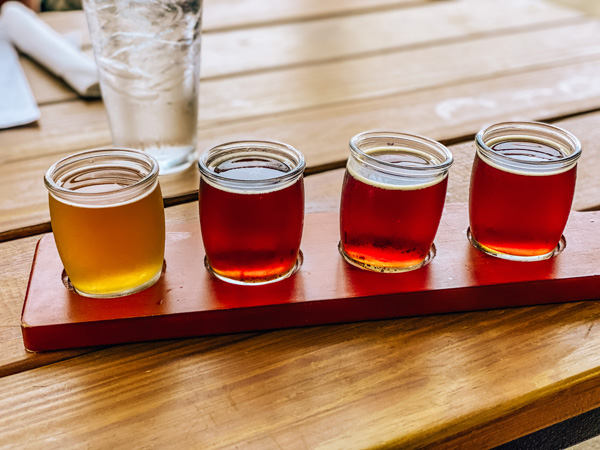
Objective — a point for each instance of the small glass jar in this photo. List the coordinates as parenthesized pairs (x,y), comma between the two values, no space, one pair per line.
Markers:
(522,187)
(108,220)
(392,200)
(251,201)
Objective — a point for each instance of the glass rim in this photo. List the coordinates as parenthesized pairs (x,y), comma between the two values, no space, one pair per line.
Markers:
(529,127)
(133,155)
(401,168)
(252,146)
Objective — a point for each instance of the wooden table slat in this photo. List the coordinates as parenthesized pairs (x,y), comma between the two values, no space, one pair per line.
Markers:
(314,73)
(238,52)
(403,383)
(287,45)
(323,135)
(312,87)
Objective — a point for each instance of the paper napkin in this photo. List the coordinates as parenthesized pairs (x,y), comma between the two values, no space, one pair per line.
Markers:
(17,105)
(40,42)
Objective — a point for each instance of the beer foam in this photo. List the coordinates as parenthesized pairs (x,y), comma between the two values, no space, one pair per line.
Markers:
(113,188)
(391,182)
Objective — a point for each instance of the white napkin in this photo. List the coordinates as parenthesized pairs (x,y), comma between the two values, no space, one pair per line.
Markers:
(39,41)
(17,105)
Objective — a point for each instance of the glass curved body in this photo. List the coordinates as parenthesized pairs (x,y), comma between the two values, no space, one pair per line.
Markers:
(251,201)
(148,58)
(392,200)
(108,221)
(522,186)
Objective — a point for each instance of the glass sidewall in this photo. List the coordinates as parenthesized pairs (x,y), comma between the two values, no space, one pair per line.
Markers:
(391,176)
(535,132)
(87,229)
(253,190)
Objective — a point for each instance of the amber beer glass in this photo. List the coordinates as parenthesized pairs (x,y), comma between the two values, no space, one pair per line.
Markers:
(522,186)
(108,220)
(252,211)
(392,200)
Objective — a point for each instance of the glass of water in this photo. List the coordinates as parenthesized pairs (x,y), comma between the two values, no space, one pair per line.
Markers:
(148,57)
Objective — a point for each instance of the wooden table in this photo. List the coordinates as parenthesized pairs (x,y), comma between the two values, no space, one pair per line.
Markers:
(314,73)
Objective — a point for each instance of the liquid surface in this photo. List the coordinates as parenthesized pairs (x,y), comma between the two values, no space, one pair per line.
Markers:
(528,151)
(397,156)
(402,157)
(247,169)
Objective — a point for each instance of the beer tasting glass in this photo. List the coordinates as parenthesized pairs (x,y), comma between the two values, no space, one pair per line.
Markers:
(108,220)
(522,186)
(252,211)
(148,57)
(392,200)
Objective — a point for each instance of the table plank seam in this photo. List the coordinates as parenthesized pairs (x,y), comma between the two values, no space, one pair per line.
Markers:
(309,18)
(442,42)
(389,95)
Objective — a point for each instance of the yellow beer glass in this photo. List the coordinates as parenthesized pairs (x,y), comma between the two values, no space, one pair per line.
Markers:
(108,220)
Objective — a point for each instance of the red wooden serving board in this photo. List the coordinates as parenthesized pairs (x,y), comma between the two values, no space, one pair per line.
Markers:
(188,301)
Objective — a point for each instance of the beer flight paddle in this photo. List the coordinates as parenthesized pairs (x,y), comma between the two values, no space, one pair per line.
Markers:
(243,269)
(188,301)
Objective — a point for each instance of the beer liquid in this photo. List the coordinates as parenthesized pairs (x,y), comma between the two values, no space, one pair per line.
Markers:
(250,236)
(390,227)
(517,213)
(107,250)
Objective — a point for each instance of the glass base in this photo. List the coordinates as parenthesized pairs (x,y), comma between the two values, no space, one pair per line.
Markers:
(173,160)
(374,268)
(488,251)
(67,282)
(294,269)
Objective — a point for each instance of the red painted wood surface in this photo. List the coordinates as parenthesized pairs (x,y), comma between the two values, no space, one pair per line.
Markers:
(188,301)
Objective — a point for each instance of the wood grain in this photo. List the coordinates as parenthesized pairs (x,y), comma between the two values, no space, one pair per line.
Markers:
(189,302)
(228,14)
(353,82)
(23,197)
(309,42)
(401,383)
(383,75)
(417,380)
(17,258)
(303,74)
(341,37)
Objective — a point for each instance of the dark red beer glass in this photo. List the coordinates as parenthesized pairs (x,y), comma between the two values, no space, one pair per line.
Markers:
(392,200)
(522,186)
(252,211)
